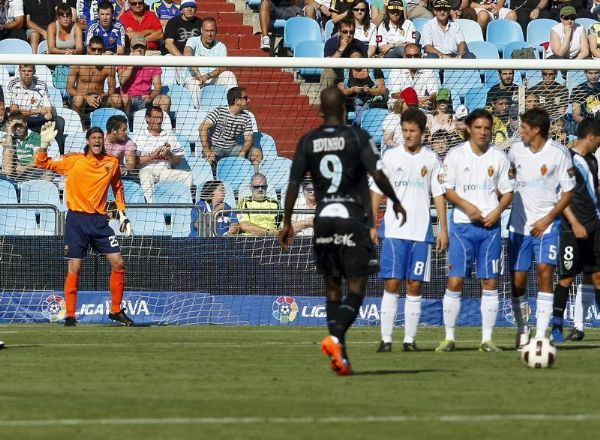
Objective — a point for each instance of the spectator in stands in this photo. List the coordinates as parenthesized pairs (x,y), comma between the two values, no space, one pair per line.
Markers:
(206,45)
(221,131)
(85,84)
(585,98)
(568,39)
(425,82)
(111,31)
(259,223)
(555,11)
(594,40)
(141,85)
(140,22)
(503,125)
(324,10)
(159,154)
(87,10)
(363,88)
(395,31)
(365,29)
(38,15)
(504,86)
(117,143)
(442,115)
(552,96)
(392,128)
(531,100)
(274,10)
(212,201)
(303,222)
(181,28)
(20,146)
(12,20)
(341,45)
(65,36)
(442,37)
(165,10)
(558,133)
(417,9)
(29,95)
(488,10)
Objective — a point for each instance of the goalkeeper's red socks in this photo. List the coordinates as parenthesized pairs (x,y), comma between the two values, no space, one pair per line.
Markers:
(71,293)
(117,286)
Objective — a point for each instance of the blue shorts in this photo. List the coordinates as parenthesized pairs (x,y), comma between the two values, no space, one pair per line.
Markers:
(471,242)
(522,249)
(83,230)
(405,259)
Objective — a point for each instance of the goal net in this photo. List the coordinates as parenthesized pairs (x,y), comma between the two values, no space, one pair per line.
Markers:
(189,260)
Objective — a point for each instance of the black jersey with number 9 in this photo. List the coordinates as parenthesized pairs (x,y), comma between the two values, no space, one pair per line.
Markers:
(338,158)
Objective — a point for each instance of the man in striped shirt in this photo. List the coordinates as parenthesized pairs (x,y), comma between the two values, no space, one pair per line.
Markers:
(29,95)
(221,131)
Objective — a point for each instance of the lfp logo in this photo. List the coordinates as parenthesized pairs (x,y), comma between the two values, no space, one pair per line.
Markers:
(53,308)
(285,309)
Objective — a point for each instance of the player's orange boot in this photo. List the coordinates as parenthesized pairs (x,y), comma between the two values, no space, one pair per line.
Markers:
(332,348)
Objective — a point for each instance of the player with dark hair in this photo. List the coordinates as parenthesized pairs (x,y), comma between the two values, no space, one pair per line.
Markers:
(89,175)
(338,159)
(580,233)
(477,182)
(406,248)
(544,180)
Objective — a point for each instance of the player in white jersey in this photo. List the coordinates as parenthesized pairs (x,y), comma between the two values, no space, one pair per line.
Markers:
(477,182)
(544,179)
(414,172)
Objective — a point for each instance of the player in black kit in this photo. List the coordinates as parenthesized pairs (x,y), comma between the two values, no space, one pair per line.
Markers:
(338,158)
(579,249)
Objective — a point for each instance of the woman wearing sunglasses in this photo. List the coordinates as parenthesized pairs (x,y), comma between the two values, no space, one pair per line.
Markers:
(568,39)
(395,31)
(365,30)
(65,36)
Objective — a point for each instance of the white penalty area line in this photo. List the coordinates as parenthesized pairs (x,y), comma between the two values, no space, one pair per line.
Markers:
(300,420)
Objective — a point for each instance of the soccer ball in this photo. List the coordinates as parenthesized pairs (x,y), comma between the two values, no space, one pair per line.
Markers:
(539,353)
(1,345)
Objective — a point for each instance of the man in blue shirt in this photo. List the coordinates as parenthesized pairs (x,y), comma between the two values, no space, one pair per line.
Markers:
(112,32)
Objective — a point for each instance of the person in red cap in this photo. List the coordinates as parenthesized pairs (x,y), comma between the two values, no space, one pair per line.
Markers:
(392,128)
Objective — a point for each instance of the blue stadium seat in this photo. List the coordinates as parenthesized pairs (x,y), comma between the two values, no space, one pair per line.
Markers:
(277,172)
(9,218)
(328,33)
(586,22)
(484,50)
(201,171)
(99,116)
(45,74)
(185,143)
(4,75)
(476,97)
(147,220)
(372,121)
(14,46)
(133,192)
(168,76)
(56,98)
(72,121)
(267,145)
(40,221)
(471,30)
(309,49)
(501,32)
(508,49)
(299,29)
(212,96)
(74,141)
(574,78)
(538,32)
(139,121)
(171,191)
(236,171)
(419,22)
(188,125)
(460,81)
(43,47)
(181,99)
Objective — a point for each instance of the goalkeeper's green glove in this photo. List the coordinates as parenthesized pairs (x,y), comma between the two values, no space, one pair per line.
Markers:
(125,227)
(47,134)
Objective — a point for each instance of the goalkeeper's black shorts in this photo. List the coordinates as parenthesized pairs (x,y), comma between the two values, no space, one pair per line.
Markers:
(83,230)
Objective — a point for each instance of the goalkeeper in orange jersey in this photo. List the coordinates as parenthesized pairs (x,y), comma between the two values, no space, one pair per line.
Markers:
(89,174)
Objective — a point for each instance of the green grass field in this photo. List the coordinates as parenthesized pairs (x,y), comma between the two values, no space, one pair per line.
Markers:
(210,382)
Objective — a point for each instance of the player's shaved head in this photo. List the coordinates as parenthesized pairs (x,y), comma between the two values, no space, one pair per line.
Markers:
(333,103)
